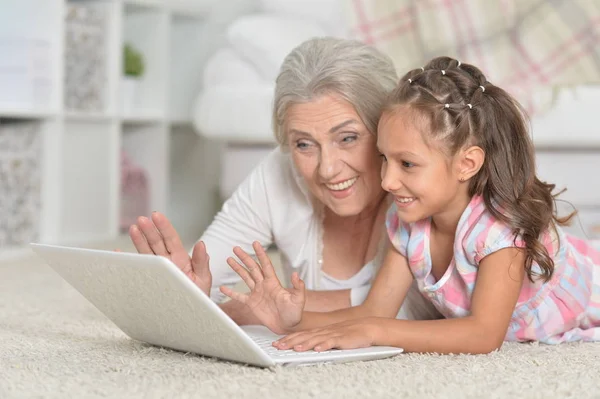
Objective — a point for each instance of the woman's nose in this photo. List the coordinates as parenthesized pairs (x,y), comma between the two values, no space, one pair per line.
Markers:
(328,165)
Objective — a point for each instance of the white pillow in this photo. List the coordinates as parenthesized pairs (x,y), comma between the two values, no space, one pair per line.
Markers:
(227,67)
(266,39)
(240,113)
(328,13)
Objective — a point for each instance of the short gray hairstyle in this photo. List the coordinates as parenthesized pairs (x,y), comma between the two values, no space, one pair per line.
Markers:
(352,70)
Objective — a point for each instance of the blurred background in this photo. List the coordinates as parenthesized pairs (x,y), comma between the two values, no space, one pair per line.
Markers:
(110,109)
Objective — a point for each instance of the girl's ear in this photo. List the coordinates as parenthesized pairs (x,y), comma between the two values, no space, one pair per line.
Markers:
(470,162)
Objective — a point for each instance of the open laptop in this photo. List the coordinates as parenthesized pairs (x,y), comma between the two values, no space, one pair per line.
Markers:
(151,300)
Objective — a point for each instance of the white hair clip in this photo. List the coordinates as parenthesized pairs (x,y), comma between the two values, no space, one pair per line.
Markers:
(409,80)
(446,105)
(482,88)
(422,69)
(458,64)
(443,72)
(470,106)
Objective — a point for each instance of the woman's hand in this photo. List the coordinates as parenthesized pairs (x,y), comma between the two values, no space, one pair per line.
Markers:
(278,308)
(359,333)
(239,313)
(158,236)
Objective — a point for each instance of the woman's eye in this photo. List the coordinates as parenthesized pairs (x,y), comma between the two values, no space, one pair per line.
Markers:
(301,144)
(407,164)
(383,157)
(349,139)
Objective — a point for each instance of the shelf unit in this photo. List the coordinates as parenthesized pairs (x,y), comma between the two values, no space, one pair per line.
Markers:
(57,51)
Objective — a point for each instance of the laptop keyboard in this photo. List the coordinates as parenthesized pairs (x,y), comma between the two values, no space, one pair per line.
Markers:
(267,345)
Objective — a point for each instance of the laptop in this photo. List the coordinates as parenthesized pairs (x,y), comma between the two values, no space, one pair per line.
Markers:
(151,300)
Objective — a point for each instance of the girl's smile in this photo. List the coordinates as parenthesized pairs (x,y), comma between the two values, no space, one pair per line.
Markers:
(404,202)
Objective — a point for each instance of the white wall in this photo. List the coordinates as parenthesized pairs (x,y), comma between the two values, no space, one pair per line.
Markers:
(195,172)
(195,160)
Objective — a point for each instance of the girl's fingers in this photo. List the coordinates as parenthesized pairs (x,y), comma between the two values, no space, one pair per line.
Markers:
(253,267)
(263,258)
(328,344)
(236,296)
(243,273)
(155,240)
(169,234)
(139,241)
(313,342)
(289,340)
(340,341)
(308,341)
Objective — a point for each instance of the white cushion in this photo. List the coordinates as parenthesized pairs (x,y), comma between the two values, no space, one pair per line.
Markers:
(226,67)
(240,113)
(237,162)
(266,39)
(328,13)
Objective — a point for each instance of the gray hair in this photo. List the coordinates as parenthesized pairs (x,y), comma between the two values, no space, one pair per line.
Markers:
(354,71)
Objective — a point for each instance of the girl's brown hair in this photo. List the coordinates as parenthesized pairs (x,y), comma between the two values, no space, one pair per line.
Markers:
(464,109)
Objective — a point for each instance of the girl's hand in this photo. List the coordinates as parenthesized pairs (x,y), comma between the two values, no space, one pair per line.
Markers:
(157,236)
(359,333)
(278,308)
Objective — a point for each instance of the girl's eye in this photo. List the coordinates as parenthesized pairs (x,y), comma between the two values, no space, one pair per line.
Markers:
(383,157)
(407,164)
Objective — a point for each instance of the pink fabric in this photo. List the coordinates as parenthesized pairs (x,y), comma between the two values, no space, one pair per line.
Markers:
(520,45)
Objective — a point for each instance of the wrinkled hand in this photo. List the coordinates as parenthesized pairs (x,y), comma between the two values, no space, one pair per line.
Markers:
(352,334)
(278,308)
(158,236)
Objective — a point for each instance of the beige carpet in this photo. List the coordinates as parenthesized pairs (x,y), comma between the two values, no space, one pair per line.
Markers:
(54,344)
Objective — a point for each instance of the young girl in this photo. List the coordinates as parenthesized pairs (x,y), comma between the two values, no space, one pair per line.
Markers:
(470,222)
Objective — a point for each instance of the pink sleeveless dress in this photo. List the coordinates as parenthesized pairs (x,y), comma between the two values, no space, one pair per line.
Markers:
(564,309)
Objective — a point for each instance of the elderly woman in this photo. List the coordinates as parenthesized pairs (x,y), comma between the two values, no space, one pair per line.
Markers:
(318,196)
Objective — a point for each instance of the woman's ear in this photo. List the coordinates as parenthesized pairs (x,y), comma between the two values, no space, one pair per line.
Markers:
(471,160)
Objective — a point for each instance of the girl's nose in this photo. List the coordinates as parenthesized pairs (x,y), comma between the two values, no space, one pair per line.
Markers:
(390,182)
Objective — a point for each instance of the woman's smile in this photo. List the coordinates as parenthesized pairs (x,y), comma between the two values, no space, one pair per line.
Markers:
(342,189)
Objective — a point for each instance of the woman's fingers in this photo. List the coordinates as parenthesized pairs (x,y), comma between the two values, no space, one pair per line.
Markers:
(153,237)
(139,241)
(200,261)
(243,273)
(253,267)
(197,268)
(298,284)
(263,258)
(169,235)
(236,296)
